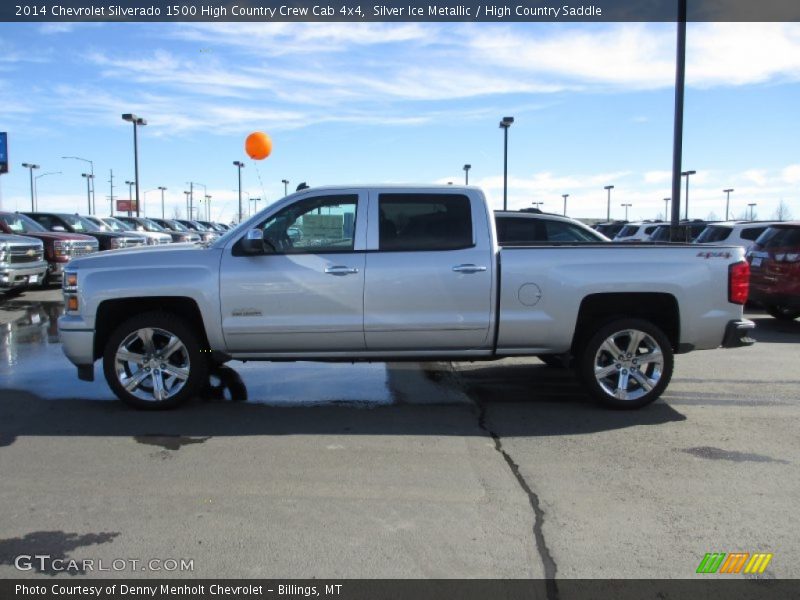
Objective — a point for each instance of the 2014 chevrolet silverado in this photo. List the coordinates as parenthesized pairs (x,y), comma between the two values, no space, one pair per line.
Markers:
(392,273)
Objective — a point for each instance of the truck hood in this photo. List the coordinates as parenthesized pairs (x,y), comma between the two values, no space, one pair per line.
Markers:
(57,235)
(141,256)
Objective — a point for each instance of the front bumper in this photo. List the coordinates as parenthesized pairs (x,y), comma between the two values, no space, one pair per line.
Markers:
(736,334)
(14,277)
(77,342)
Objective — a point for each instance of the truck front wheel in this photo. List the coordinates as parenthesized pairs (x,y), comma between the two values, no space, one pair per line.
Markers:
(627,363)
(154,361)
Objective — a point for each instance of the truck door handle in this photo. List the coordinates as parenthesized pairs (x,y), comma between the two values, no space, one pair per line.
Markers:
(468,269)
(341,270)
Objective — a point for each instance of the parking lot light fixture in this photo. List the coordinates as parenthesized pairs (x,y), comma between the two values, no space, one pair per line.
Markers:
(36,185)
(466,174)
(504,125)
(727,201)
(687,174)
(187,193)
(89,178)
(208,207)
(752,206)
(608,188)
(565,196)
(627,206)
(31,167)
(91,172)
(285,183)
(666,208)
(162,188)
(239,164)
(136,121)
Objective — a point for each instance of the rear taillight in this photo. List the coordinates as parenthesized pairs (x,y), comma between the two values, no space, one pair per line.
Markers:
(738,282)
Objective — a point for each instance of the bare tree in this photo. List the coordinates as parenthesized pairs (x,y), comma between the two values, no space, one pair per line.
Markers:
(176,212)
(712,216)
(782,213)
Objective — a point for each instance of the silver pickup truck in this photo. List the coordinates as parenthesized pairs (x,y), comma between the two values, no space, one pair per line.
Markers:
(21,262)
(391,273)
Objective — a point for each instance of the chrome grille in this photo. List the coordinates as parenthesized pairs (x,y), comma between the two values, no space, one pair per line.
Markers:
(25,254)
(81,248)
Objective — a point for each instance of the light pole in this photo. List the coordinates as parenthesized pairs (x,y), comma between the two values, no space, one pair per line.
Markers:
(239,164)
(608,188)
(91,172)
(752,206)
(89,178)
(666,208)
(627,206)
(727,201)
(130,185)
(208,207)
(162,188)
(466,174)
(36,185)
(187,193)
(136,122)
(504,125)
(687,174)
(254,202)
(537,204)
(285,183)
(565,196)
(31,167)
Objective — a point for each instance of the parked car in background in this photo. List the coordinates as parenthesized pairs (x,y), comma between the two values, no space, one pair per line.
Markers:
(21,262)
(59,247)
(610,228)
(179,232)
(153,231)
(741,233)
(531,226)
(206,235)
(111,224)
(65,222)
(775,270)
(213,226)
(689,230)
(637,232)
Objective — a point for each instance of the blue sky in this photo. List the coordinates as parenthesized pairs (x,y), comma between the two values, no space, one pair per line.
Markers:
(408,102)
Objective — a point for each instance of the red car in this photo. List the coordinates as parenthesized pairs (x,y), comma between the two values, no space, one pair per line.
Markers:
(59,247)
(775,270)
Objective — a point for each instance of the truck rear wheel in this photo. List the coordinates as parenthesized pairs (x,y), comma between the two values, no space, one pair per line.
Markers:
(627,363)
(153,361)
(782,312)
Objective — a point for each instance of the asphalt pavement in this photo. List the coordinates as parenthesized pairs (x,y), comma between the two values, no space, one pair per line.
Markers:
(439,470)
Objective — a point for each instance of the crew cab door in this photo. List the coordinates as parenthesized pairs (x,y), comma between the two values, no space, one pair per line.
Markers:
(305,293)
(430,273)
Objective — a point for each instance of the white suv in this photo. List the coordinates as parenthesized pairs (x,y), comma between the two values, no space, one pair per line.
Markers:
(637,232)
(531,226)
(738,233)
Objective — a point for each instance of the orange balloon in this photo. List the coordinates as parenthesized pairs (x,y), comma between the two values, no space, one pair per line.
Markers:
(258,145)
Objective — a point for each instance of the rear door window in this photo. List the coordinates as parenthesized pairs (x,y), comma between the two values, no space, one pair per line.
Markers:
(417,222)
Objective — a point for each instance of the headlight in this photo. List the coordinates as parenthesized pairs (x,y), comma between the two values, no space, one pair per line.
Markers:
(151,241)
(116,242)
(70,288)
(3,253)
(61,249)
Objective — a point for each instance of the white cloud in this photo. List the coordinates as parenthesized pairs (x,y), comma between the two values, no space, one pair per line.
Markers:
(791,174)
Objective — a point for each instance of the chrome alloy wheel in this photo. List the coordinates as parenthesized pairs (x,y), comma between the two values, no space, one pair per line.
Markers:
(152,364)
(628,364)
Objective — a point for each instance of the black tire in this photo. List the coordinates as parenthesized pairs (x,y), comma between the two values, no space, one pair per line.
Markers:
(179,375)
(556,361)
(782,312)
(623,382)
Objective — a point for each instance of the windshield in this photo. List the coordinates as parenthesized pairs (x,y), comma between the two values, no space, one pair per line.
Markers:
(628,231)
(116,224)
(714,233)
(661,234)
(178,226)
(21,224)
(150,225)
(779,237)
(79,224)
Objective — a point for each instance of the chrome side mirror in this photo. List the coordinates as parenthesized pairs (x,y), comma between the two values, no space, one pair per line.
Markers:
(253,242)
